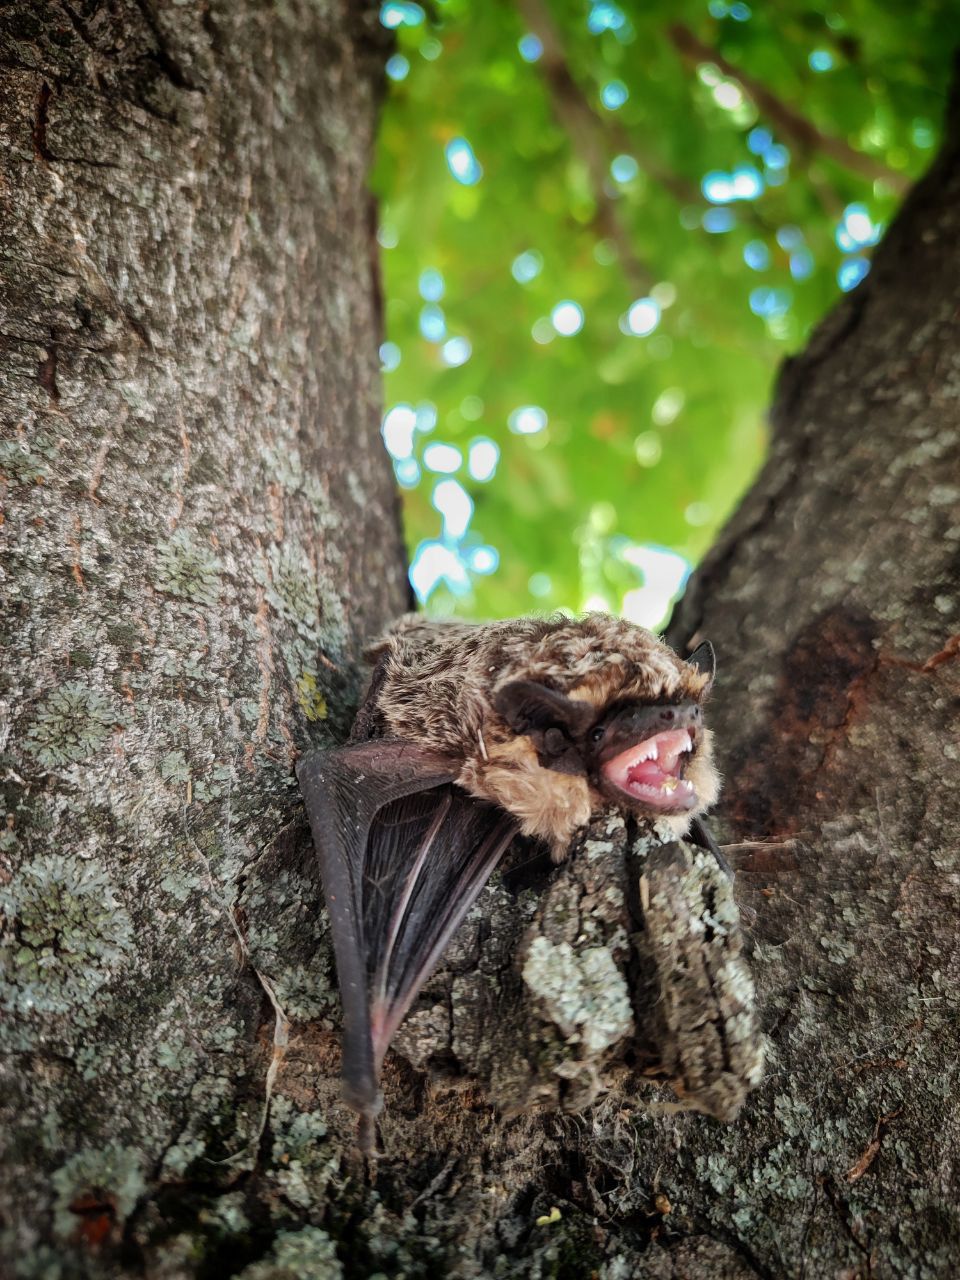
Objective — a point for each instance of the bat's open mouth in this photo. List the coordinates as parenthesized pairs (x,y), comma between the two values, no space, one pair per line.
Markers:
(651,771)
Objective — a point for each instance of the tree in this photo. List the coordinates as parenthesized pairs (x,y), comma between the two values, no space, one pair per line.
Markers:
(197,511)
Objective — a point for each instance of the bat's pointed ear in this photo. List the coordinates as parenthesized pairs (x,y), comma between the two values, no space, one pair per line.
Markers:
(527,705)
(705,661)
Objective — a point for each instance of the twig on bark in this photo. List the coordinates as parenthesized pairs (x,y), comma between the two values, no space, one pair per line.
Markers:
(281,1023)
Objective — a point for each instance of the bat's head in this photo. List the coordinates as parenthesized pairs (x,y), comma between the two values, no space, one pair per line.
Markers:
(626,727)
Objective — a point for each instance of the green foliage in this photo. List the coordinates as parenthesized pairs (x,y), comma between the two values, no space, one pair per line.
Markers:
(650,440)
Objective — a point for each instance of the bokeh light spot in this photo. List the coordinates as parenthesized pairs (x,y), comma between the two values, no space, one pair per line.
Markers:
(667,406)
(756,255)
(527,420)
(716,221)
(433,325)
(426,416)
(399,424)
(401,13)
(697,514)
(526,266)
(389,356)
(433,563)
(851,272)
(923,134)
(648,448)
(462,163)
(531,47)
(789,237)
(445,458)
(624,168)
(801,263)
(482,458)
(407,471)
(643,317)
(453,502)
(664,574)
(665,293)
(614,94)
(857,227)
(455,352)
(431,285)
(484,560)
(766,302)
(567,318)
(605,17)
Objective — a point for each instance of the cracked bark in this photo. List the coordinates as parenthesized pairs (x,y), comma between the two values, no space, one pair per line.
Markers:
(196,507)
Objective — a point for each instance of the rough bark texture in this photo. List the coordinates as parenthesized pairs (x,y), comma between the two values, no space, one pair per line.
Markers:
(200,525)
(196,512)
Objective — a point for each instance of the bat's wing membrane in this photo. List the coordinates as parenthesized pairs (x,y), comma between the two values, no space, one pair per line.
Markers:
(403,855)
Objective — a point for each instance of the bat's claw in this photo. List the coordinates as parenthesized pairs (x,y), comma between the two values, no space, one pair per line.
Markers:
(367,1136)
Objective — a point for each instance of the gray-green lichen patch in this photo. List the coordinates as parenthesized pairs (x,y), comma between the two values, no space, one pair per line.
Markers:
(303,1163)
(220,1135)
(113,1174)
(174,767)
(295,1255)
(26,461)
(186,569)
(288,936)
(291,585)
(65,932)
(310,604)
(583,993)
(71,724)
(285,466)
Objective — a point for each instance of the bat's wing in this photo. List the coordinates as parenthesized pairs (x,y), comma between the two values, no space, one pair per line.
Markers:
(403,855)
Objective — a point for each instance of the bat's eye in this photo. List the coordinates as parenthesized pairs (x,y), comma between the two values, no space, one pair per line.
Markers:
(597,733)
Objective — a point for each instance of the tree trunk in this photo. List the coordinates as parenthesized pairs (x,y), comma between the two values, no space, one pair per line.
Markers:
(202,525)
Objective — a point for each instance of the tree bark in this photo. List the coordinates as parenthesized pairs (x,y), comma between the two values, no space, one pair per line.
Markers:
(201,527)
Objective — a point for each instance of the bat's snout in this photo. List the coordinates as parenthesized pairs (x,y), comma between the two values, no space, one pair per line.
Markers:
(644,752)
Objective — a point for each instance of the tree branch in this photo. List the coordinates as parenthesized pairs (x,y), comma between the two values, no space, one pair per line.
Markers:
(585,130)
(790,123)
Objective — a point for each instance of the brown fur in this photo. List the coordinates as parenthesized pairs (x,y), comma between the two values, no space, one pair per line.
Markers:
(439,680)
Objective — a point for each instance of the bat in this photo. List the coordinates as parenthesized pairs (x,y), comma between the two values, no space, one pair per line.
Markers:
(470,734)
